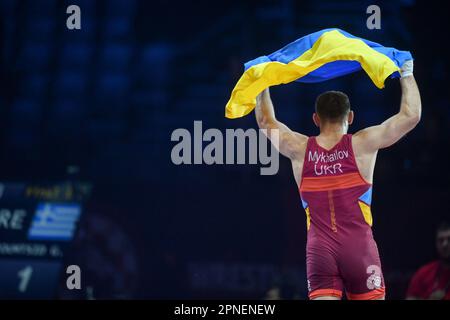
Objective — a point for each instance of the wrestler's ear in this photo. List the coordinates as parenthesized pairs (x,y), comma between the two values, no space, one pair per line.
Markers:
(316,119)
(351,116)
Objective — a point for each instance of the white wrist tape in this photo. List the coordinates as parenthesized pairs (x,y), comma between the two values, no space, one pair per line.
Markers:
(407,68)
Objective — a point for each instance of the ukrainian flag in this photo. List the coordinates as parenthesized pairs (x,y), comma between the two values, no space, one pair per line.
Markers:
(317,57)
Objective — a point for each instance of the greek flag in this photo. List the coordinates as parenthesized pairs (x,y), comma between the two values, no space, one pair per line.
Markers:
(54,221)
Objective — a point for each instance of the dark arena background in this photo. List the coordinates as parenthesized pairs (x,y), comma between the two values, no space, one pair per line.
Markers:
(86,118)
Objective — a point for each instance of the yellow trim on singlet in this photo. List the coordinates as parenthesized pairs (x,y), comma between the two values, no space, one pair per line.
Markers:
(308,219)
(367,213)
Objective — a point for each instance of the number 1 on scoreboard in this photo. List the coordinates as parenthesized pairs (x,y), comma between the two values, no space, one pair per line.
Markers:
(25,276)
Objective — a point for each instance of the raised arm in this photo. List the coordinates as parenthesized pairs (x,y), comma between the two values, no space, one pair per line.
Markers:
(393,129)
(291,144)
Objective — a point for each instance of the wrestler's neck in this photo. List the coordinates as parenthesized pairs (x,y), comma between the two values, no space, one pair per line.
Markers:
(333,130)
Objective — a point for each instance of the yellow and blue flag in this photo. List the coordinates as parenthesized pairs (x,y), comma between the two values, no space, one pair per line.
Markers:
(317,57)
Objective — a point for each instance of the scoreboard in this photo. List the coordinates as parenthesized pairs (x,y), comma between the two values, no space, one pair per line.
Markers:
(37,225)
